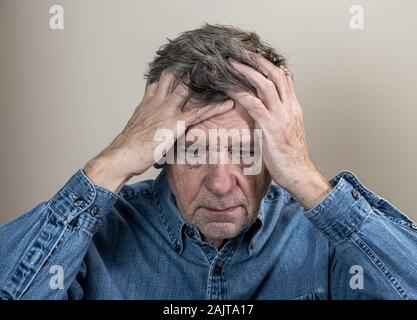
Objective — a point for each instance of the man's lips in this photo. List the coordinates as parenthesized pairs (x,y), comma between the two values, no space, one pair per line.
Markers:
(229,210)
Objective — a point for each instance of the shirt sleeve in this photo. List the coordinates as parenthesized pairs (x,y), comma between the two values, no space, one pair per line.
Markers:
(373,245)
(42,251)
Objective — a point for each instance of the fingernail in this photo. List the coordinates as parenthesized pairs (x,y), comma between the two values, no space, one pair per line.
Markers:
(233,61)
(181,89)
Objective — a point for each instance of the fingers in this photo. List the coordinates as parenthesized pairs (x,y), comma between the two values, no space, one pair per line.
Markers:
(276,74)
(166,83)
(214,110)
(163,87)
(265,88)
(150,89)
(178,97)
(252,104)
(291,85)
(199,114)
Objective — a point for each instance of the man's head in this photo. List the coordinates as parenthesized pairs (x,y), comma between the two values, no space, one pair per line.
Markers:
(218,198)
(200,58)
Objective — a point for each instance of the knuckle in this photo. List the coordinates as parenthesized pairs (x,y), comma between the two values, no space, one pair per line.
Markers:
(267,74)
(167,75)
(181,90)
(193,115)
(275,77)
(268,85)
(166,72)
(280,70)
(285,71)
(276,68)
(163,75)
(257,103)
(274,72)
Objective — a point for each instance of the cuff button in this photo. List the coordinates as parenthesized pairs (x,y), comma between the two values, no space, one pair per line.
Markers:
(414,226)
(355,194)
(78,201)
(94,211)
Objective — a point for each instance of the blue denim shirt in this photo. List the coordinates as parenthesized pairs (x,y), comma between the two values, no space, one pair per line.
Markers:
(89,243)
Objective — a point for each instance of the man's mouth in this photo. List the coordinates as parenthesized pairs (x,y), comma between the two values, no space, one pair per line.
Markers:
(223,211)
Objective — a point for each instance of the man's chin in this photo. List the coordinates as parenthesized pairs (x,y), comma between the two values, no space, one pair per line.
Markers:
(221,230)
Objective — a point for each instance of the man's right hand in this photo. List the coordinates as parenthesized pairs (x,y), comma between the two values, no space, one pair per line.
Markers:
(132,151)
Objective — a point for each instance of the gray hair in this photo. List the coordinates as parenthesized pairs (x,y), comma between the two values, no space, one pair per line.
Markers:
(199,58)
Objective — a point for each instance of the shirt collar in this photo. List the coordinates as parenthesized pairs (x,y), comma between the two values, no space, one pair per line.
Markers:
(168,212)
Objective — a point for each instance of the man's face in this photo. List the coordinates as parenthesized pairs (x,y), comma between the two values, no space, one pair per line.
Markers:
(219,199)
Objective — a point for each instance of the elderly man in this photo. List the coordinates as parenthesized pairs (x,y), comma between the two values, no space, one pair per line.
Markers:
(211,229)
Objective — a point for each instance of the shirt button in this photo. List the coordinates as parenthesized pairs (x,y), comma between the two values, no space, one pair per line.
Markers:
(94,211)
(78,201)
(355,194)
(272,195)
(177,248)
(414,226)
(217,270)
(190,232)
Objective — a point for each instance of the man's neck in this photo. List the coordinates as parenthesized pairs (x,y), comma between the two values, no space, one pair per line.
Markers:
(218,243)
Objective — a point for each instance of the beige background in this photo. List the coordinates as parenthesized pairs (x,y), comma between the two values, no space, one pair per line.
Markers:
(65,94)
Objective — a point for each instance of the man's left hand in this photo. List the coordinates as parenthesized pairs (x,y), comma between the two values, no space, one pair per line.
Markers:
(276,110)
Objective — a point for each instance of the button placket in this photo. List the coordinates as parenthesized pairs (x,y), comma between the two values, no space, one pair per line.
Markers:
(217,270)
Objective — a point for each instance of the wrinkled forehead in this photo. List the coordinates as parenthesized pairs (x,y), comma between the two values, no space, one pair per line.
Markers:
(237,118)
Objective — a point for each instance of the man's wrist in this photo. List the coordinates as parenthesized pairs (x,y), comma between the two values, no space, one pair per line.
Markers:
(310,188)
(102,172)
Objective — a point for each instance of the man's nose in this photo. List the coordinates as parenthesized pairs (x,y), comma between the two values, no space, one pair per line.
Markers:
(220,180)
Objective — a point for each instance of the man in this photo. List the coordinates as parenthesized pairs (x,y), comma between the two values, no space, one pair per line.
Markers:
(209,230)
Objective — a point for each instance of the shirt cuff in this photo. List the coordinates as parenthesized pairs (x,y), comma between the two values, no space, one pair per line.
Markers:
(82,203)
(343,209)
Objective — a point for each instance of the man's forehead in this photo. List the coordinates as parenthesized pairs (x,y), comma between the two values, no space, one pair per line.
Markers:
(237,118)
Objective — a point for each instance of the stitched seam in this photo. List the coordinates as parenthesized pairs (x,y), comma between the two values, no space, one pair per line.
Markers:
(30,246)
(354,229)
(380,265)
(42,264)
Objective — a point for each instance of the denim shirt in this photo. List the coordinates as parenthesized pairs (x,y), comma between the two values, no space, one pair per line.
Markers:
(89,243)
